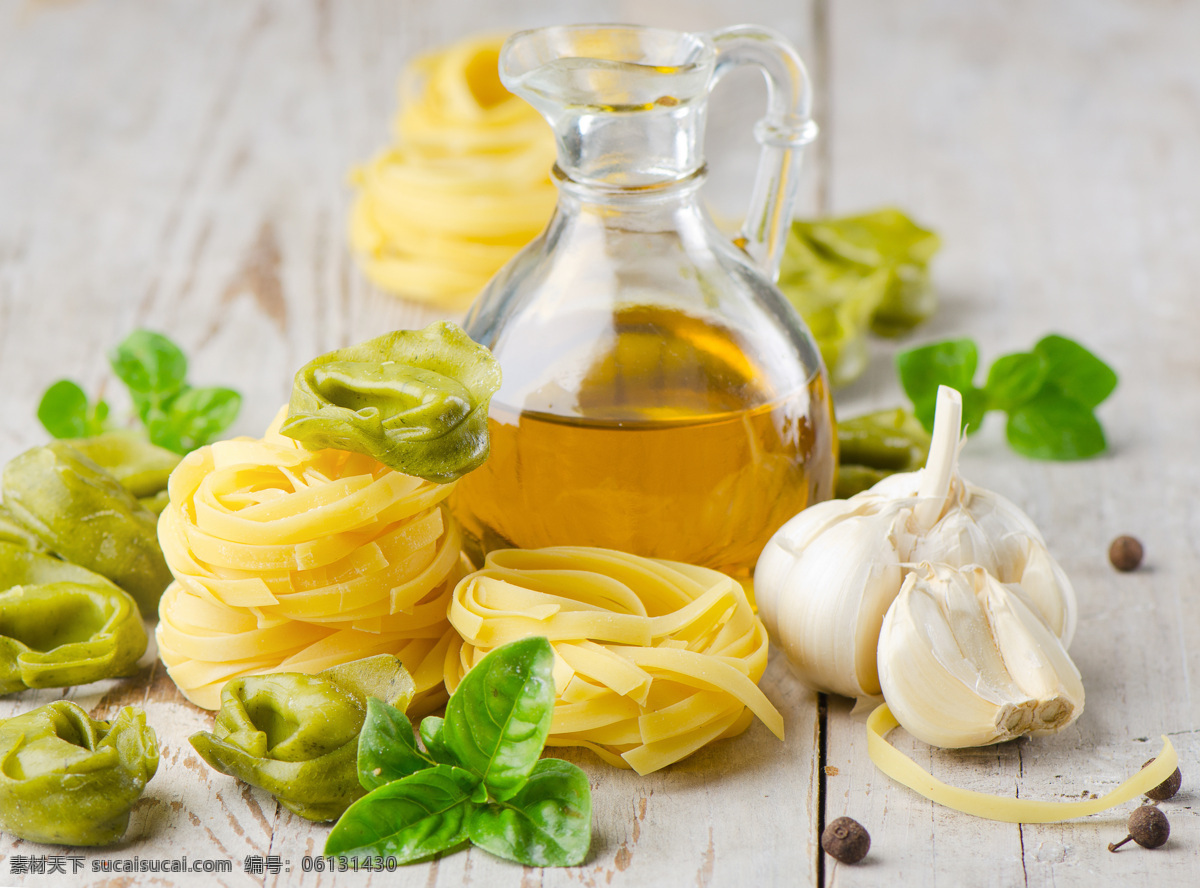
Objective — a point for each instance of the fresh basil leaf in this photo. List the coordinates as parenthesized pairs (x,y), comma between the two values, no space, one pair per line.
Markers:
(65,411)
(434,741)
(923,369)
(1075,371)
(97,417)
(192,418)
(498,719)
(387,750)
(1054,426)
(410,819)
(148,409)
(547,823)
(149,363)
(1014,379)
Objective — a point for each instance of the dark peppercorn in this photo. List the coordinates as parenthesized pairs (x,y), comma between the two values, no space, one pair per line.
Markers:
(1148,827)
(846,840)
(1167,788)
(1125,553)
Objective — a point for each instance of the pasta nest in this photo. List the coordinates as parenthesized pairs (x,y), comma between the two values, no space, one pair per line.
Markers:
(654,658)
(290,560)
(465,186)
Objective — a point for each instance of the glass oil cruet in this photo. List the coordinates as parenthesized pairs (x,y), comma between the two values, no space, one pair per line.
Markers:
(660,396)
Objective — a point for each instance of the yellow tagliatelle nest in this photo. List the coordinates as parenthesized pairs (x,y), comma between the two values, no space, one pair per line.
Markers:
(654,658)
(291,560)
(466,185)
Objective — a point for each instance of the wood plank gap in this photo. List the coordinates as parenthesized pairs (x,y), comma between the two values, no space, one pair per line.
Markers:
(823,94)
(822,761)
(823,91)
(1021,826)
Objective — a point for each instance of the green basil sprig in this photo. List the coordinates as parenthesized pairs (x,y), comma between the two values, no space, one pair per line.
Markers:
(1050,393)
(476,777)
(176,415)
(66,412)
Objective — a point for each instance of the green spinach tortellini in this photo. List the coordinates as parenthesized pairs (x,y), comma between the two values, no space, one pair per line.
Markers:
(68,779)
(81,512)
(851,274)
(416,400)
(875,445)
(140,467)
(296,736)
(62,625)
(13,531)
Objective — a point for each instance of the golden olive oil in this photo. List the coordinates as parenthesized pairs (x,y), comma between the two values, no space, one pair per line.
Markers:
(671,447)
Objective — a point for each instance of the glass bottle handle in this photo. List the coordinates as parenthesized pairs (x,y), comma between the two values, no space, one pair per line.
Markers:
(782,133)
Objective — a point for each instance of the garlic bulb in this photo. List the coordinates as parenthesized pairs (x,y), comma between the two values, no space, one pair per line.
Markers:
(827,576)
(964,660)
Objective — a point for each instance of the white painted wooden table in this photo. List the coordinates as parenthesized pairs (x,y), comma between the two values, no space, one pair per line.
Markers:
(180,165)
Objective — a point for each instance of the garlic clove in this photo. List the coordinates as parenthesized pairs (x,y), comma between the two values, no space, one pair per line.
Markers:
(1035,658)
(964,661)
(957,538)
(777,562)
(938,691)
(1049,590)
(837,593)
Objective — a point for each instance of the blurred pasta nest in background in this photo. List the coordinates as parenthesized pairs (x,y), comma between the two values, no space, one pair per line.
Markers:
(464,187)
(289,560)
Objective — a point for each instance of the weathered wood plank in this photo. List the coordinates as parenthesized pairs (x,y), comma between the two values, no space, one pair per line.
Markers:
(1048,144)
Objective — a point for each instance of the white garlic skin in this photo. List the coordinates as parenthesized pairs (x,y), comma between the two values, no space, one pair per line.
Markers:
(822,585)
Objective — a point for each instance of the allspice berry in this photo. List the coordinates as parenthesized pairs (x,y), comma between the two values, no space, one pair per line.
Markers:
(1167,788)
(1148,827)
(846,840)
(1125,553)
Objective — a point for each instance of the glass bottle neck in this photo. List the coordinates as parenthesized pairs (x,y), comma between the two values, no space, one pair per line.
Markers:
(659,197)
(632,148)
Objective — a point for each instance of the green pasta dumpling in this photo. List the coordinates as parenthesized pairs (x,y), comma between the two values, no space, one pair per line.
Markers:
(416,400)
(72,780)
(62,625)
(81,512)
(296,735)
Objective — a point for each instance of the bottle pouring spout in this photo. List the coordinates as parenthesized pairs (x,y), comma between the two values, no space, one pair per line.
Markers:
(606,67)
(626,104)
